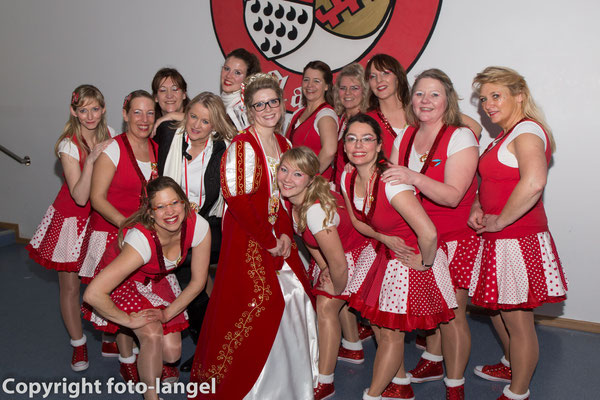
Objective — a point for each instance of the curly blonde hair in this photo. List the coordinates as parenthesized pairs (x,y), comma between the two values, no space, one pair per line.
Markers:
(306,161)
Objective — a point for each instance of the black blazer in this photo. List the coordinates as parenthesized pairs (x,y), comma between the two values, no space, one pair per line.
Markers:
(212,178)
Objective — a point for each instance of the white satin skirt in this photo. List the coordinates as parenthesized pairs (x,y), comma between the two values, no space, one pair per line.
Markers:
(291,370)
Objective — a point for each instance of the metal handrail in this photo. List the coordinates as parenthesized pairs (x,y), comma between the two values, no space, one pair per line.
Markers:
(25,160)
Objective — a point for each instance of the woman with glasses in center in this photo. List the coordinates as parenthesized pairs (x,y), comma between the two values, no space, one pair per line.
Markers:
(258,339)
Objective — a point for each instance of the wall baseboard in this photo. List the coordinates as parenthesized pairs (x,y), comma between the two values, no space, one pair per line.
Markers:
(545,320)
(15,228)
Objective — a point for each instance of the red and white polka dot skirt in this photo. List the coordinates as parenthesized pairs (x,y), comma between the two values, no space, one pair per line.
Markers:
(399,297)
(94,246)
(360,259)
(462,255)
(518,273)
(134,296)
(58,241)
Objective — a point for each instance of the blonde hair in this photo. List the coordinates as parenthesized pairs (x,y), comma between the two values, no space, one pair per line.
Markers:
(306,161)
(257,82)
(516,85)
(82,95)
(451,115)
(221,123)
(356,71)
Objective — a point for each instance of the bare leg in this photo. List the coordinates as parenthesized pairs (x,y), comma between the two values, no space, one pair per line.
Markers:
(389,359)
(150,359)
(456,339)
(171,348)
(434,342)
(502,334)
(349,325)
(68,284)
(524,348)
(329,332)
(125,343)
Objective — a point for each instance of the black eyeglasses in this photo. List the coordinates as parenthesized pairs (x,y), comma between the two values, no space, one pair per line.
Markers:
(261,105)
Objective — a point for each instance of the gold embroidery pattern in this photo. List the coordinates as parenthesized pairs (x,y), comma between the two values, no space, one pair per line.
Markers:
(239,161)
(234,339)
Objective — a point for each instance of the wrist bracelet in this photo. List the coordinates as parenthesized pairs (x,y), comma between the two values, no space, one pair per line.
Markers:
(426,265)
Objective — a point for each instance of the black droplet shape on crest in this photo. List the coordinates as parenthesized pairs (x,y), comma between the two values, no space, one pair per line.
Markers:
(280,31)
(277,47)
(303,18)
(268,9)
(293,34)
(291,14)
(280,12)
(258,25)
(266,45)
(255,7)
(269,28)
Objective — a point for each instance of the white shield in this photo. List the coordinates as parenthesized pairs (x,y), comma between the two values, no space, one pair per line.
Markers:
(278,27)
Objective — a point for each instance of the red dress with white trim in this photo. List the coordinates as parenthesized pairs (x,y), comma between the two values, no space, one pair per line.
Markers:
(518,266)
(125,194)
(305,134)
(359,250)
(57,241)
(460,242)
(393,295)
(154,284)
(258,338)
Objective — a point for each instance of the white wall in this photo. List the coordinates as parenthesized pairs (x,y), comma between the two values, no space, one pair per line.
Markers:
(49,47)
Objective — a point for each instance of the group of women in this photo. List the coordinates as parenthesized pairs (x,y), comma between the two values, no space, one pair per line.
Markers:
(378,181)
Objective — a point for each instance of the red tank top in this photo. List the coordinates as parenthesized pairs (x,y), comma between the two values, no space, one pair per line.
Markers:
(306,135)
(381,216)
(349,236)
(451,223)
(125,190)
(498,182)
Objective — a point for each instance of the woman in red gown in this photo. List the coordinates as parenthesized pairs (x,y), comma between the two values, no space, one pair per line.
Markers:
(258,338)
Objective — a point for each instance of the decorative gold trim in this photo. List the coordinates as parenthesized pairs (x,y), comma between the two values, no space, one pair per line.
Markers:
(243,326)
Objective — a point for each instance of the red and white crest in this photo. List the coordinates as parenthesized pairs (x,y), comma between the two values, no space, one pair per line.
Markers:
(287,34)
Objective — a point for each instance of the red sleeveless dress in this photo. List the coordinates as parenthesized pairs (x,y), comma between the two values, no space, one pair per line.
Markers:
(518,266)
(57,241)
(125,194)
(459,241)
(306,135)
(393,295)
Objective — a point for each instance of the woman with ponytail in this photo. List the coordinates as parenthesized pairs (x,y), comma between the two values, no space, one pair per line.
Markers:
(322,220)
(397,295)
(57,241)
(138,288)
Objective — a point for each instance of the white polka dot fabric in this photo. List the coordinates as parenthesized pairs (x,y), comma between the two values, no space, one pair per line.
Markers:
(361,268)
(59,239)
(512,272)
(98,241)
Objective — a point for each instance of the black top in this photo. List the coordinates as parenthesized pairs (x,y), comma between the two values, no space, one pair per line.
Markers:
(212,179)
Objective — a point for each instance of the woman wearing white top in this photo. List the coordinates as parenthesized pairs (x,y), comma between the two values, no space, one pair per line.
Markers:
(239,64)
(190,153)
